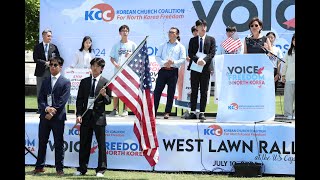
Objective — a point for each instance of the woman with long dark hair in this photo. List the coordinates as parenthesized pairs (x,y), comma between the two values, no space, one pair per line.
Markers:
(288,77)
(84,55)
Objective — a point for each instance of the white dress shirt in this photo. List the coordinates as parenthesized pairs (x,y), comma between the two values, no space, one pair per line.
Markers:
(203,38)
(97,80)
(54,79)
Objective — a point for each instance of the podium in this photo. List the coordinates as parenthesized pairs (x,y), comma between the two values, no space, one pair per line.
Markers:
(245,88)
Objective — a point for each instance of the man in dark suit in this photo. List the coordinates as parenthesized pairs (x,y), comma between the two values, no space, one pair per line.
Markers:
(42,52)
(92,96)
(53,96)
(205,44)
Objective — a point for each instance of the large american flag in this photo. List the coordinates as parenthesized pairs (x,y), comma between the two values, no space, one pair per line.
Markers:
(231,45)
(132,84)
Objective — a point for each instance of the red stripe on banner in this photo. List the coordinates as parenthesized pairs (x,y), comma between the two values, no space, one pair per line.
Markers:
(150,100)
(127,88)
(144,125)
(231,45)
(130,78)
(150,158)
(122,97)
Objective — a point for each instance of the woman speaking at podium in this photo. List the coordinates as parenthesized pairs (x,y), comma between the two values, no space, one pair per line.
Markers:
(256,42)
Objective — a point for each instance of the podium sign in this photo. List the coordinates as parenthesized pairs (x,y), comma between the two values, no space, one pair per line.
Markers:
(247,91)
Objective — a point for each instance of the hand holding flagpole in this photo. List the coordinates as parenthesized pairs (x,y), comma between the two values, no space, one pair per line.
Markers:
(115,75)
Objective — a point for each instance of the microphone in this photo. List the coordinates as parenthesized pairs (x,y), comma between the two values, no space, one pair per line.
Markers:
(254,43)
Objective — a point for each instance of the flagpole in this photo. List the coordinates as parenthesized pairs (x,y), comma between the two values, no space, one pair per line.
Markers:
(130,57)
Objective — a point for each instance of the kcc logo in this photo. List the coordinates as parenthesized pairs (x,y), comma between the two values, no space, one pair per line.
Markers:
(105,13)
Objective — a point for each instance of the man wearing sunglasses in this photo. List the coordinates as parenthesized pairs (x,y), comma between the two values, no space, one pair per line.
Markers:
(53,96)
(42,52)
(170,56)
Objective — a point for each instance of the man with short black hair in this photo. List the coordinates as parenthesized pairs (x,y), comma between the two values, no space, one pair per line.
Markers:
(92,98)
(170,56)
(53,96)
(201,44)
(119,53)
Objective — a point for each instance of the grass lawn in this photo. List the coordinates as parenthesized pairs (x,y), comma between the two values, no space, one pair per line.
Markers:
(50,174)
(31,103)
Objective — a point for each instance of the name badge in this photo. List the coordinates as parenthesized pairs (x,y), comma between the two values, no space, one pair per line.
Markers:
(49,99)
(90,103)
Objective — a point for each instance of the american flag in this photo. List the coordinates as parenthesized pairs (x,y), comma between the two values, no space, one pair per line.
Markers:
(231,45)
(132,84)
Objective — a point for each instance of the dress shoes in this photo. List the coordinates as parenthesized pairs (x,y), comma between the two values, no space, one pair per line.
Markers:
(166,116)
(191,116)
(202,117)
(38,171)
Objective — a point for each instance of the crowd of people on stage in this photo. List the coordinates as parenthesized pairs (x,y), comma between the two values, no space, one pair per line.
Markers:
(53,89)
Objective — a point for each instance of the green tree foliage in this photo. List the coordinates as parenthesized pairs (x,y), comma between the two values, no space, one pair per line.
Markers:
(32,12)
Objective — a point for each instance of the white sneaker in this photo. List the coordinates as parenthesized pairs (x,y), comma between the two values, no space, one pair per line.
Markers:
(289,117)
(77,173)
(99,174)
(124,113)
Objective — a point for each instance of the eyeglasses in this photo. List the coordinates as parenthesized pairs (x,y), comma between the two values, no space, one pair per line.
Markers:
(124,31)
(171,32)
(55,65)
(255,25)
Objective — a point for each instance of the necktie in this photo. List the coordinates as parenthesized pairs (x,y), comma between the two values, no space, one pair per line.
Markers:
(53,81)
(46,48)
(92,87)
(200,48)
(46,51)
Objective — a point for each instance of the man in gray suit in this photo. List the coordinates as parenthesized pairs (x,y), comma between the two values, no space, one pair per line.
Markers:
(42,52)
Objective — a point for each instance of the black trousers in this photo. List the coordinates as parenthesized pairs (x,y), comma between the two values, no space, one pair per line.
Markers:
(45,127)
(86,133)
(169,78)
(202,80)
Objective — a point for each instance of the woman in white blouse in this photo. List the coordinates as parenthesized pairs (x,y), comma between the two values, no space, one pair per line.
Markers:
(84,55)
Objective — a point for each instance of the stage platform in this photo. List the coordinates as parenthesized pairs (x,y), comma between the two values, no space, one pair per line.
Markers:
(184,145)
(72,118)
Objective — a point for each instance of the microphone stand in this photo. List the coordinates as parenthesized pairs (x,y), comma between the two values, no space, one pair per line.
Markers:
(28,151)
(264,49)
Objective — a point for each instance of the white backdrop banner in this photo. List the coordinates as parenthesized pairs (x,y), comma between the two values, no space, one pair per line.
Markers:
(183,146)
(71,20)
(248,89)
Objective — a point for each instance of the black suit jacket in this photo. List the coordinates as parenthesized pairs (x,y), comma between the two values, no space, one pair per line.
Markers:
(40,58)
(98,112)
(60,93)
(209,50)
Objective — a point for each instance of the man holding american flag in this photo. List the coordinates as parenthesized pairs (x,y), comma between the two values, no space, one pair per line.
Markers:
(232,45)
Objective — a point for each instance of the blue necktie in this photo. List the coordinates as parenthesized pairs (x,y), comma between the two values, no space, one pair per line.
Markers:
(46,51)
(92,87)
(200,48)
(46,48)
